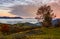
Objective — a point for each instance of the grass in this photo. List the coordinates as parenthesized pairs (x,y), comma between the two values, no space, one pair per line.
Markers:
(53,33)
(42,33)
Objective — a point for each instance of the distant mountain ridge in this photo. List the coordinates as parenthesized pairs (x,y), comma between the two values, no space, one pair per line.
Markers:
(55,21)
(11,18)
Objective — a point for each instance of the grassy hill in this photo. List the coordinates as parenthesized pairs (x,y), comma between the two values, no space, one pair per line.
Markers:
(39,33)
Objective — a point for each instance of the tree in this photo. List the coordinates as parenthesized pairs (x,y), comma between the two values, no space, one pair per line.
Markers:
(45,14)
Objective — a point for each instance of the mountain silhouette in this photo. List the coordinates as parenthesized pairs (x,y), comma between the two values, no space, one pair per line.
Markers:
(11,18)
(55,21)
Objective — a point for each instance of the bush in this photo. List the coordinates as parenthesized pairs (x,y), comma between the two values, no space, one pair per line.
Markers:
(5,29)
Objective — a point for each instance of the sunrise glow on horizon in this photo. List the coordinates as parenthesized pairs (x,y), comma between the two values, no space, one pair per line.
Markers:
(26,8)
(6,13)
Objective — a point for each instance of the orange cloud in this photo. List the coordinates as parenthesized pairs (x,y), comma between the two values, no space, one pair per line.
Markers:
(56,9)
(6,13)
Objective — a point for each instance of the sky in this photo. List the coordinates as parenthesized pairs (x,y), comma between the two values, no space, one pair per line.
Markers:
(26,8)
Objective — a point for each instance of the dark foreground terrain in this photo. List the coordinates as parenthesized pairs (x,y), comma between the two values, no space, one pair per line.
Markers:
(27,32)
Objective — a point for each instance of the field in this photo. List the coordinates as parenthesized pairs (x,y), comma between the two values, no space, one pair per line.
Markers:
(38,33)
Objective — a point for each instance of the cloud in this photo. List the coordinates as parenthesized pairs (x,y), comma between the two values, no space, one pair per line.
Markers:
(24,10)
(56,8)
(5,13)
(9,3)
(30,9)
